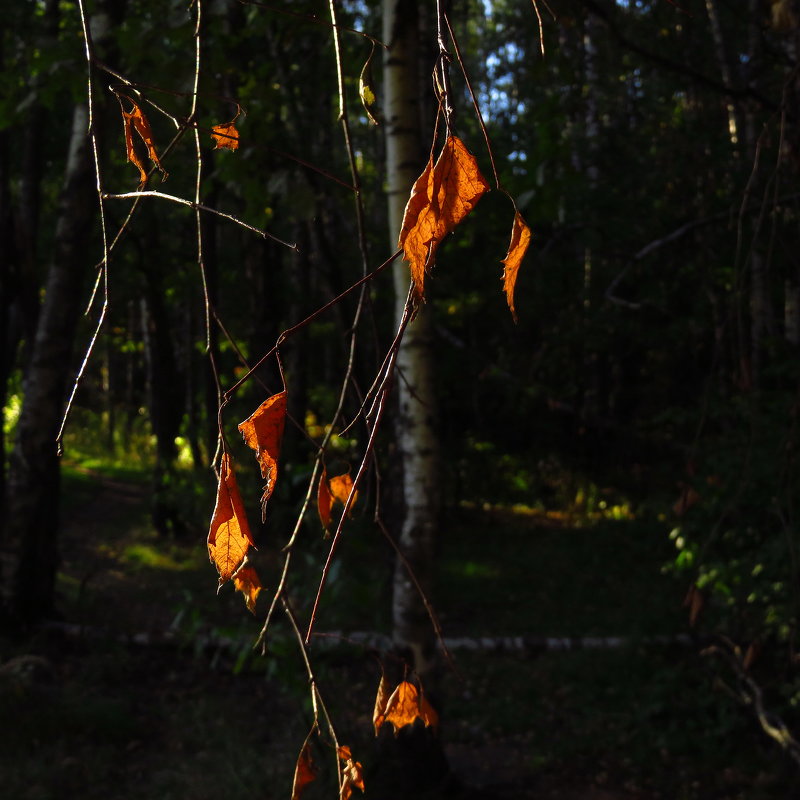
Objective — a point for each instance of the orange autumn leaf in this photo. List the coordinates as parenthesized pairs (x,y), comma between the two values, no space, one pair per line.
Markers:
(304,772)
(381,701)
(135,120)
(262,432)
(330,491)
(520,239)
(405,706)
(247,582)
(341,486)
(229,535)
(226,136)
(440,199)
(352,774)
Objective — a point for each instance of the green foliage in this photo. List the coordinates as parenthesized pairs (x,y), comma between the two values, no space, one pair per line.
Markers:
(738,540)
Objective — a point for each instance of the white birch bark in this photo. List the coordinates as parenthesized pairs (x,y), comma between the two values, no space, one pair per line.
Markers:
(417,439)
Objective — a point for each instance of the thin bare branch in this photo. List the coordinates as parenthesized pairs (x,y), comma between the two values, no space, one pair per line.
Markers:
(199,206)
(750,695)
(408,315)
(103,276)
(289,332)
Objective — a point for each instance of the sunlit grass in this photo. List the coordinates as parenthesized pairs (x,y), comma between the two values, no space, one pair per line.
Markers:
(575,515)
(140,554)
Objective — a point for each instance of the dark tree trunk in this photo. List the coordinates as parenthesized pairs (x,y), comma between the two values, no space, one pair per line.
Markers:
(33,485)
(165,401)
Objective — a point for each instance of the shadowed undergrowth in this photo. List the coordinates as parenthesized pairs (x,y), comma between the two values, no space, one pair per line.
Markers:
(96,716)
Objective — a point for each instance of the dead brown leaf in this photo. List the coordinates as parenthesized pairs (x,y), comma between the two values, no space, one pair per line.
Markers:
(304,772)
(135,120)
(694,601)
(352,774)
(520,239)
(381,700)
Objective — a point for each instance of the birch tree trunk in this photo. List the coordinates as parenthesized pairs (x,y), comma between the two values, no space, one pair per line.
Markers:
(416,434)
(413,764)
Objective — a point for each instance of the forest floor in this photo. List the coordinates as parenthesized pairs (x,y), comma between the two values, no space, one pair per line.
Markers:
(150,687)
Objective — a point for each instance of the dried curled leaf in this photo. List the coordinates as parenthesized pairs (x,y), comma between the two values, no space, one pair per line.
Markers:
(751,654)
(229,536)
(304,772)
(246,581)
(135,120)
(226,136)
(440,199)
(381,701)
(428,713)
(262,432)
(520,239)
(352,774)
(688,498)
(405,706)
(694,601)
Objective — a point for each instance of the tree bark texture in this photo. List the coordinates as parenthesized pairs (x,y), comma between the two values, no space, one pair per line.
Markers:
(33,480)
(417,439)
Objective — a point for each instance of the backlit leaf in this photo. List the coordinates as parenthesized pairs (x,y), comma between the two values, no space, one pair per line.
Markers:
(352,774)
(341,486)
(440,199)
(405,706)
(520,239)
(330,491)
(135,120)
(229,535)
(262,432)
(304,772)
(247,582)
(226,136)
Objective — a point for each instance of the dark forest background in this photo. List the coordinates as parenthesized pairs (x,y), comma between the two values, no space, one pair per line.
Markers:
(637,429)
